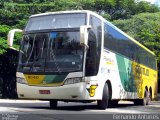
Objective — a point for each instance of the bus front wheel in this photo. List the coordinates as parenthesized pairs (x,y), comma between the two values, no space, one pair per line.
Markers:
(103,104)
(53,104)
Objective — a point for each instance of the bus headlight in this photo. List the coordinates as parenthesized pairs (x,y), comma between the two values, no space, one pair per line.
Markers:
(73,80)
(21,80)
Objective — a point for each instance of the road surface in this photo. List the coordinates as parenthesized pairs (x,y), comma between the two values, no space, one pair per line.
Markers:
(34,109)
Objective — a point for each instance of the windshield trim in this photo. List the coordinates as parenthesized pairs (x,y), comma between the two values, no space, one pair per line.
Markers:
(48,73)
(52,30)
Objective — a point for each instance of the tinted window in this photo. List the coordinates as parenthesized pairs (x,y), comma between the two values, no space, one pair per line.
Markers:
(119,43)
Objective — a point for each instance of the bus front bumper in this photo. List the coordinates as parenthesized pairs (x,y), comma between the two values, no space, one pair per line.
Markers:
(76,91)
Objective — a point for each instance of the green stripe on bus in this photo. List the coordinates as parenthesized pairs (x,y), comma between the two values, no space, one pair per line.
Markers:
(54,79)
(126,74)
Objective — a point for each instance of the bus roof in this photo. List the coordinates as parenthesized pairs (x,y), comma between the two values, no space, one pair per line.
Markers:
(100,17)
(61,12)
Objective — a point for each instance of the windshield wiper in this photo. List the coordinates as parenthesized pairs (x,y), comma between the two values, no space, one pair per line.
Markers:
(37,57)
(34,61)
(54,57)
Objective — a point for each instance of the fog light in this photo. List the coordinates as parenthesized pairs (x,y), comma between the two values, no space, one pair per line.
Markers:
(92,90)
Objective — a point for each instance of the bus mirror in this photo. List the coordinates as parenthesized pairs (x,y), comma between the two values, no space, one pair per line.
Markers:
(84,35)
(10,37)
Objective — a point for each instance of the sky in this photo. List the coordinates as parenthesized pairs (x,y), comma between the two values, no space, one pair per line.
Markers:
(151,1)
(157,2)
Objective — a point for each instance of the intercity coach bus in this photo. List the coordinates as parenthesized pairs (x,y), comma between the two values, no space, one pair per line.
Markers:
(78,56)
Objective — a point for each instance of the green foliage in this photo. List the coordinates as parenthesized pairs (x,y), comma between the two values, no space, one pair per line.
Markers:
(31,8)
(3,45)
(21,24)
(3,36)
(10,18)
(87,4)
(4,29)
(123,9)
(105,5)
(106,16)
(66,5)
(146,7)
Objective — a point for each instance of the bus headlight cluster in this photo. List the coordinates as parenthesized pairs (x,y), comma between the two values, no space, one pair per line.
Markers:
(73,80)
(21,80)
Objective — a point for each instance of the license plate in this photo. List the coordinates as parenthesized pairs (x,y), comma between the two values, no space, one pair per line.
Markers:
(44,91)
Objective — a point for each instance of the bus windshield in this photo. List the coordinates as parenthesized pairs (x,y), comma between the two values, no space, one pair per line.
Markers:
(51,52)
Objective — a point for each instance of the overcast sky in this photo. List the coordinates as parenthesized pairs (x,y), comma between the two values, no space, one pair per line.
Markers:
(152,1)
(157,2)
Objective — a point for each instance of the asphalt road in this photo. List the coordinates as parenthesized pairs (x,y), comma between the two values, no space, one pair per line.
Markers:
(39,110)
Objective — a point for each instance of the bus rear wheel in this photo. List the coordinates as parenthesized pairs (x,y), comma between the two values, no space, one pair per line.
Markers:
(145,101)
(104,103)
(147,98)
(53,104)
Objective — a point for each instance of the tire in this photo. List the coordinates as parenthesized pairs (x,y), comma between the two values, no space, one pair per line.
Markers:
(53,104)
(104,103)
(145,101)
(147,98)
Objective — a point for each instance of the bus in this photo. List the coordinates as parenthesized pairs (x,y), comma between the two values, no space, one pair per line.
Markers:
(78,56)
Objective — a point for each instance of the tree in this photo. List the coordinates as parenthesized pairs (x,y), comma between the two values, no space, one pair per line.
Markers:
(143,6)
